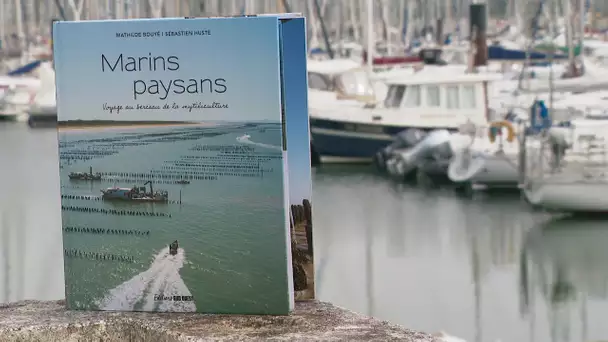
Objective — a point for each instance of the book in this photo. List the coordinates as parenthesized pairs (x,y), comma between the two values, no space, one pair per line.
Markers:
(173,148)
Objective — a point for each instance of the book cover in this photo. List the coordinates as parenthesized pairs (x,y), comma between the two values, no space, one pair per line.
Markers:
(173,165)
(295,102)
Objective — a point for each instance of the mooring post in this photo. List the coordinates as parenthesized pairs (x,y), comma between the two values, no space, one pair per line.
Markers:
(308,225)
(308,228)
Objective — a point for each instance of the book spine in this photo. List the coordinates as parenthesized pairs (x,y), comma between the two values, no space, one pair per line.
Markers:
(282,89)
(287,206)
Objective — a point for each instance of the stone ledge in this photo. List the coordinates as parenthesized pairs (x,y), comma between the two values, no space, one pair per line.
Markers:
(311,321)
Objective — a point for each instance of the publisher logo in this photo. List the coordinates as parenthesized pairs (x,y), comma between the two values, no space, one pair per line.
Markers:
(162,298)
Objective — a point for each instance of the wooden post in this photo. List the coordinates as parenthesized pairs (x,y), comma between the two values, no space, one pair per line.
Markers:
(308,229)
(308,225)
(292,226)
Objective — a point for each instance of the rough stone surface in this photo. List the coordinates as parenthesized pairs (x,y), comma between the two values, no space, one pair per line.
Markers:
(311,321)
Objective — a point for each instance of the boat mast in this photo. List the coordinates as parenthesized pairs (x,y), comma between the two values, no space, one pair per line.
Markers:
(553,18)
(370,35)
(583,15)
(137,9)
(385,25)
(76,8)
(314,32)
(128,9)
(517,15)
(448,16)
(354,23)
(3,26)
(19,24)
(319,13)
(280,7)
(156,7)
(341,15)
(27,15)
(569,36)
(557,5)
(592,21)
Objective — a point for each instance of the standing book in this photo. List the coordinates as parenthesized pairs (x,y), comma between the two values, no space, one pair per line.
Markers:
(173,163)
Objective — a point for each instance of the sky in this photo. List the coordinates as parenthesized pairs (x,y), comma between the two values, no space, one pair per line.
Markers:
(296,110)
(243,51)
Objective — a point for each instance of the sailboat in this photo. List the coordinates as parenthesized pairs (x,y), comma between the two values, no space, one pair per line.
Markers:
(20,102)
(43,104)
(567,171)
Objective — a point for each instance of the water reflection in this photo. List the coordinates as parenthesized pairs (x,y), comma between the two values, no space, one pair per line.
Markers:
(564,263)
(434,262)
(31,257)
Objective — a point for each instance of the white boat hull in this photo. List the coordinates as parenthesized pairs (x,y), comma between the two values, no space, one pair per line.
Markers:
(590,197)
(580,183)
(42,112)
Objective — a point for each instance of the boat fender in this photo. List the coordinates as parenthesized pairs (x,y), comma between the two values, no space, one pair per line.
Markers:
(495,128)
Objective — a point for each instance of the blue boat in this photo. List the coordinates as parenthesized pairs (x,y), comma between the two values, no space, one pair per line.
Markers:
(335,141)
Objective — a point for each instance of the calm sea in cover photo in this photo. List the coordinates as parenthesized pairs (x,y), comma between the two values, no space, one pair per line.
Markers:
(206,233)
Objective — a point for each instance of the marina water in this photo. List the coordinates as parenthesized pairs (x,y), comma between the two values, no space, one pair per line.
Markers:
(484,269)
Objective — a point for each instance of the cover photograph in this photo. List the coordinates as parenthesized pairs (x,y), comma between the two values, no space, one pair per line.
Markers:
(174,192)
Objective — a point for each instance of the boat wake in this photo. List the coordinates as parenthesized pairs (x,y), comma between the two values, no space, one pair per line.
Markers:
(245,140)
(153,289)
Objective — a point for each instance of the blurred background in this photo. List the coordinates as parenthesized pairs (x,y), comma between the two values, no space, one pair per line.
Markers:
(484,268)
